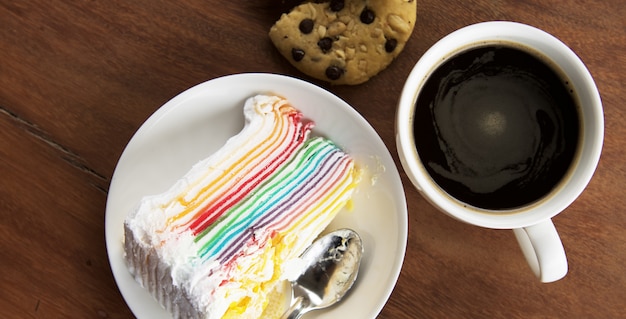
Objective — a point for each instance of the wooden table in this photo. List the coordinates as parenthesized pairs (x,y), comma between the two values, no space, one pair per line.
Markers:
(77,78)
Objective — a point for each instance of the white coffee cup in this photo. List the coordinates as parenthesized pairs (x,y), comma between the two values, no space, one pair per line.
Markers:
(531,223)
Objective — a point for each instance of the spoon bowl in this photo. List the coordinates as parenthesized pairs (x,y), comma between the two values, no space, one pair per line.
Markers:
(330,268)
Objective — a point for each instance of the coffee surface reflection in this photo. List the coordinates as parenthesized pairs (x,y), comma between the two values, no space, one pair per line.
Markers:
(496,126)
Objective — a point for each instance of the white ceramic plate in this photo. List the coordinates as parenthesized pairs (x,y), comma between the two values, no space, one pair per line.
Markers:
(197,122)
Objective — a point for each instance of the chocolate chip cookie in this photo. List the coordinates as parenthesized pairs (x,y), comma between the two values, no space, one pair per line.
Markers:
(344,41)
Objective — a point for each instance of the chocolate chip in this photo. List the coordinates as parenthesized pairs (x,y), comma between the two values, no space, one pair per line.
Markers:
(297,54)
(334,72)
(336,5)
(391,45)
(306,26)
(367,16)
(325,44)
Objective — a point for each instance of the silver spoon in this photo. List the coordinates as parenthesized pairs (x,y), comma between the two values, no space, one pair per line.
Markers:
(331,265)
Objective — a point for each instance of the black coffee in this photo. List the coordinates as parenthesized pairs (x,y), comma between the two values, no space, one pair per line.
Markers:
(496,127)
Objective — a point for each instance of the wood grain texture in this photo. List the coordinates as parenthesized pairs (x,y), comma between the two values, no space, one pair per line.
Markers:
(77,78)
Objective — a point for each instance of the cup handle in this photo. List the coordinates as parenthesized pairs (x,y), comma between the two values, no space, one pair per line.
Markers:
(543,250)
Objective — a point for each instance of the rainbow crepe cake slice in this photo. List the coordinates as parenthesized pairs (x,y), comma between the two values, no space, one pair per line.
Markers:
(215,244)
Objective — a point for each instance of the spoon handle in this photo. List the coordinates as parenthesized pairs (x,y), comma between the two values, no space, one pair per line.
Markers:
(298,308)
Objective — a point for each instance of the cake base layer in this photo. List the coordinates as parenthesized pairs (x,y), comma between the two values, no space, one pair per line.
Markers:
(154,275)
